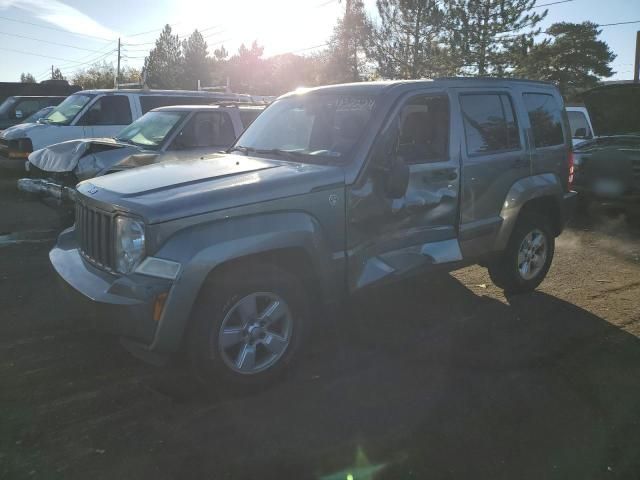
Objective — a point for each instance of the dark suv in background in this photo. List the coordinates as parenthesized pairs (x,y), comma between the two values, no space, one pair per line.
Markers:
(330,191)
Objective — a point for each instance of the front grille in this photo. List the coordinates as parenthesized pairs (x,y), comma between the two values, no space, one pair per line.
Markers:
(94,232)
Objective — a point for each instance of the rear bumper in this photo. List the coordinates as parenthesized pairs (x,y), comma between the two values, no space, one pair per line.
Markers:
(121,305)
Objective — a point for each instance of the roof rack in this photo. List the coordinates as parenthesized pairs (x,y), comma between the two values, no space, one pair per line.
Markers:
(237,103)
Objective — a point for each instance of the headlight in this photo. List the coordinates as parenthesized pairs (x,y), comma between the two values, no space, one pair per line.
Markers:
(129,243)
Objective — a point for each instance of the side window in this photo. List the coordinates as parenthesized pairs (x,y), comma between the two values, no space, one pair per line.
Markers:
(545,115)
(210,129)
(108,110)
(489,123)
(578,122)
(26,107)
(424,129)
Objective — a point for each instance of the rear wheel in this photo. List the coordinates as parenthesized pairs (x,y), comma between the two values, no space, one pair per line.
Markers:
(527,258)
(247,327)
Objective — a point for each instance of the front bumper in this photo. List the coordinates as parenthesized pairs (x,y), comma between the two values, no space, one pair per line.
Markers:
(48,189)
(122,305)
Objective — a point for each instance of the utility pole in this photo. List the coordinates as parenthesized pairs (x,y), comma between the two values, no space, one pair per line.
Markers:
(51,72)
(118,69)
(636,70)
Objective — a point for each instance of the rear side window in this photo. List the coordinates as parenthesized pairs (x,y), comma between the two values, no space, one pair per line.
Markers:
(424,130)
(489,123)
(149,102)
(545,116)
(108,110)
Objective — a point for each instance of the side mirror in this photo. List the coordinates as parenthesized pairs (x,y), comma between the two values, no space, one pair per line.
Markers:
(397,179)
(580,133)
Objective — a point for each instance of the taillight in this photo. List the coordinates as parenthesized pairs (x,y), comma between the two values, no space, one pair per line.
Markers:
(571,170)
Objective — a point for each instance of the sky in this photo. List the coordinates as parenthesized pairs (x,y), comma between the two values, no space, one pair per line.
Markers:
(73,34)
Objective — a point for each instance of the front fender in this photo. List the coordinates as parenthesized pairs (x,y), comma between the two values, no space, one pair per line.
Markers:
(521,192)
(202,248)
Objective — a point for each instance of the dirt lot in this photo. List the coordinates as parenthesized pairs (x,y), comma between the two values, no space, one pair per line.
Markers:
(445,378)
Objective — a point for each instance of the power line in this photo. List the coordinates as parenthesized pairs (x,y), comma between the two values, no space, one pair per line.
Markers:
(552,3)
(54,28)
(49,42)
(617,23)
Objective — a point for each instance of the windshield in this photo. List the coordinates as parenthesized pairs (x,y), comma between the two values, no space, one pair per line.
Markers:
(310,126)
(150,130)
(64,113)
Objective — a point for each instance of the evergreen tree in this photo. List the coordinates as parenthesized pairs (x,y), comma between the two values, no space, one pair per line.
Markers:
(407,43)
(482,32)
(345,59)
(573,57)
(57,75)
(197,64)
(164,66)
(27,78)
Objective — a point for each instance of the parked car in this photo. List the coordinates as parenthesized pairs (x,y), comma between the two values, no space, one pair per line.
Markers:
(92,114)
(608,167)
(165,133)
(580,124)
(15,110)
(329,192)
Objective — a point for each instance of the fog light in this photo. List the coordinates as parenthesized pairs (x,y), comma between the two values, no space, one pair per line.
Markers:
(158,306)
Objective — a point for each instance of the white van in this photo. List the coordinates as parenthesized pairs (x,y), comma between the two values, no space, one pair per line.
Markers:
(94,113)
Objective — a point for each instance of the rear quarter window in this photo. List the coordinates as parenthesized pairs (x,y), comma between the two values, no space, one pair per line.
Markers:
(545,116)
(490,125)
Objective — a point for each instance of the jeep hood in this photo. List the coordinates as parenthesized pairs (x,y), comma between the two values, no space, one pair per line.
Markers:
(176,189)
(87,157)
(614,109)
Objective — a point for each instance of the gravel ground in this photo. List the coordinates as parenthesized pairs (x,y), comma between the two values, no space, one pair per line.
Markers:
(443,378)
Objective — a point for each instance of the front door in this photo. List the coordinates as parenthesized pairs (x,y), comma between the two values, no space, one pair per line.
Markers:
(106,117)
(390,237)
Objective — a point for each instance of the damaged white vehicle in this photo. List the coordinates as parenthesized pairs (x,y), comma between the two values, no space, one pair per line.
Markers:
(175,133)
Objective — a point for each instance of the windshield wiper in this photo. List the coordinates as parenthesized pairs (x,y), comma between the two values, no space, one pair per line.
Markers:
(240,148)
(290,154)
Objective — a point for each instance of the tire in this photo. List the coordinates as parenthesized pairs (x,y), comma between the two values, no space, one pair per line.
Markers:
(508,272)
(250,354)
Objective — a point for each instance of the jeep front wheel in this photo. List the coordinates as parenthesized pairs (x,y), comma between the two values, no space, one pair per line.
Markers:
(247,326)
(527,258)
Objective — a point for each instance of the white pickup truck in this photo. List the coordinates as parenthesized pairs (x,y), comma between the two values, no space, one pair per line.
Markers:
(580,123)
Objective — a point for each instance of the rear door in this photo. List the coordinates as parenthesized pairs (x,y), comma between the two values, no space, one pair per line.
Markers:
(390,237)
(494,157)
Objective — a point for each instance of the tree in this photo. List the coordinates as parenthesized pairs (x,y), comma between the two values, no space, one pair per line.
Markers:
(573,57)
(27,78)
(345,59)
(57,75)
(407,43)
(164,65)
(482,32)
(197,64)
(102,75)
(247,70)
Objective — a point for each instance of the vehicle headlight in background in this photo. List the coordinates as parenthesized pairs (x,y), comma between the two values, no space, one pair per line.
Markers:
(20,148)
(129,243)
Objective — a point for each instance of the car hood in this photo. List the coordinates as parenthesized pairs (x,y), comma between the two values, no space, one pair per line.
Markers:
(22,130)
(613,109)
(87,157)
(176,189)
